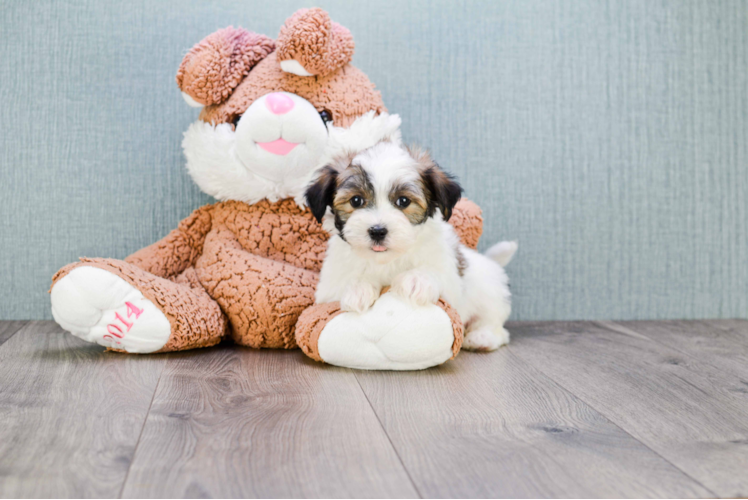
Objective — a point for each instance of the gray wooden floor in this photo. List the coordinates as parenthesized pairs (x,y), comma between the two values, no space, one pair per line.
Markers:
(639,409)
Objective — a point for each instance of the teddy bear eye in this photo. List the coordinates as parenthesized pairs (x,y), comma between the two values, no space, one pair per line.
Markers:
(235,121)
(403,202)
(357,201)
(325,115)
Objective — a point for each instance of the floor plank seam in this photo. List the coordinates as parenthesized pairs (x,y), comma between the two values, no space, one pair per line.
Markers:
(397,454)
(604,325)
(614,327)
(21,327)
(583,400)
(689,356)
(142,428)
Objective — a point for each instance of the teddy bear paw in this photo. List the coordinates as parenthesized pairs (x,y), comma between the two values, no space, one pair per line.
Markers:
(100,307)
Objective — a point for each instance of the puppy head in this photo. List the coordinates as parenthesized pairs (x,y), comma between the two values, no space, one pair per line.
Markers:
(383,198)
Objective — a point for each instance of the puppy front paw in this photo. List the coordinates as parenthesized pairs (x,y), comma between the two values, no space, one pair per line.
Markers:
(359,297)
(418,287)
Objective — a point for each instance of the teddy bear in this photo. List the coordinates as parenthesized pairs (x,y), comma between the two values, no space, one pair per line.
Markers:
(245,268)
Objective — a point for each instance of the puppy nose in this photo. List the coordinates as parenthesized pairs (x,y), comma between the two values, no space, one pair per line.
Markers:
(278,103)
(377,233)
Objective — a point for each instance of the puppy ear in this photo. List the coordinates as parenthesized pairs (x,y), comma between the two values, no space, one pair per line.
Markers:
(321,193)
(214,67)
(443,190)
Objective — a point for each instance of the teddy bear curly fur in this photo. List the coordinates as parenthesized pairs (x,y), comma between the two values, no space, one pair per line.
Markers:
(247,270)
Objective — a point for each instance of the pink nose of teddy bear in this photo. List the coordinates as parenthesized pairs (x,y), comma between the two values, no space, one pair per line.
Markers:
(278,103)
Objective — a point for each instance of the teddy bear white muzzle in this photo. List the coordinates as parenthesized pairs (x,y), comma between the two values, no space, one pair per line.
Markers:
(280,135)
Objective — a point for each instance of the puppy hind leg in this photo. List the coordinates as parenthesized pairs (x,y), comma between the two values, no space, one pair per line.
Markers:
(487,332)
(485,338)
(503,335)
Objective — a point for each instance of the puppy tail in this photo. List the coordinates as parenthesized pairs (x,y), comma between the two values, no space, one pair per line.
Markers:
(502,252)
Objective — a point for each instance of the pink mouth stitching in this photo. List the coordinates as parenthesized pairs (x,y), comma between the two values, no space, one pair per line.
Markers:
(278,147)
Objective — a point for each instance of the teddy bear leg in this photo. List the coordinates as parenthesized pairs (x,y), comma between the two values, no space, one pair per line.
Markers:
(392,335)
(261,297)
(118,305)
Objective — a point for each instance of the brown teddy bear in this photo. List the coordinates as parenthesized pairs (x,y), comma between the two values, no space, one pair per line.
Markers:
(273,112)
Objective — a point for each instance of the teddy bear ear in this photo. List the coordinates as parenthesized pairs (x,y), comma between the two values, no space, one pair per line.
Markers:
(214,67)
(311,44)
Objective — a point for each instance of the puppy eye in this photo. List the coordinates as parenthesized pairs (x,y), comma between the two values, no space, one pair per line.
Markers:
(326,116)
(235,121)
(402,202)
(357,201)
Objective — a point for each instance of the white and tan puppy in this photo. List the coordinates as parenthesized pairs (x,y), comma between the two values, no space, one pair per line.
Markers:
(389,208)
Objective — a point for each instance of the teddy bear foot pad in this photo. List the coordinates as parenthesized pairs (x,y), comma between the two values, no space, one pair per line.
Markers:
(392,335)
(100,307)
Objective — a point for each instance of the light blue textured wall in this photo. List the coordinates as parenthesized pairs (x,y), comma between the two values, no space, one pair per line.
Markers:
(609,137)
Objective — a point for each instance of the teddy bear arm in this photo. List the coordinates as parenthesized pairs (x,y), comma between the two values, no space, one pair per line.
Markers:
(282,232)
(467,219)
(178,250)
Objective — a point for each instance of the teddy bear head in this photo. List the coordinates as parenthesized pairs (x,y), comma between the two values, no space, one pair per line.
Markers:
(272,110)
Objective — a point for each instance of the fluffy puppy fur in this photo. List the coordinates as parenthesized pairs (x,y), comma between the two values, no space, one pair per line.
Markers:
(387,210)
